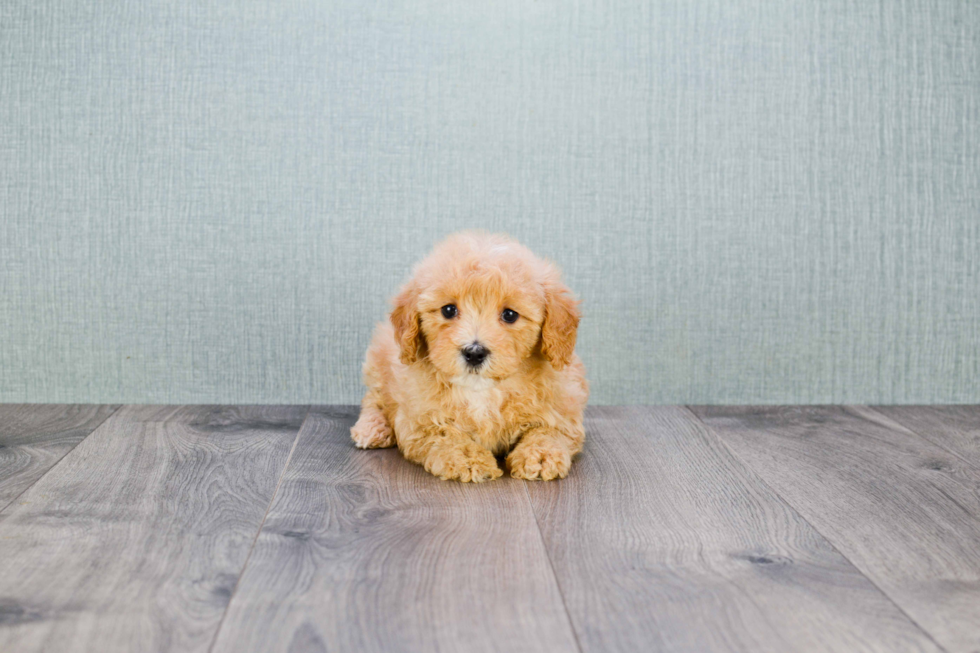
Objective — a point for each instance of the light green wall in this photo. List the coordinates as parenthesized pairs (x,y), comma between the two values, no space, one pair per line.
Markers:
(758,201)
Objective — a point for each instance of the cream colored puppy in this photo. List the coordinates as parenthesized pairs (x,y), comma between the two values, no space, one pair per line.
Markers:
(478,362)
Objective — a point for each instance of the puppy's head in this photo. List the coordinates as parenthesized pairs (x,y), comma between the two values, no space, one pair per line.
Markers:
(484,305)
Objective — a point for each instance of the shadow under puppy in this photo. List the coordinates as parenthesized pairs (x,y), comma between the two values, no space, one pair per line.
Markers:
(478,362)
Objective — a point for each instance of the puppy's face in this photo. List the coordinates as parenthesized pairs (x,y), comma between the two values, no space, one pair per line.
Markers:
(480,323)
(481,306)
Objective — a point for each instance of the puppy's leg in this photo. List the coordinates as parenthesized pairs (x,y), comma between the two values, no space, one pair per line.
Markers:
(544,454)
(372,430)
(450,454)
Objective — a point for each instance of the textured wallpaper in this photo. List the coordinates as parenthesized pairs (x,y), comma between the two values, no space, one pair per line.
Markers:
(211,201)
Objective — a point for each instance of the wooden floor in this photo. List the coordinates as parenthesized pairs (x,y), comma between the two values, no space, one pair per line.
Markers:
(261,528)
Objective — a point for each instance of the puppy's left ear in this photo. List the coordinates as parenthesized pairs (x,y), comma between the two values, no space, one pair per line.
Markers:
(560,327)
(407,322)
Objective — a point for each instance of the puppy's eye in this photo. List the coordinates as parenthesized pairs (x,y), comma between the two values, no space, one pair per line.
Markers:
(509,316)
(449,311)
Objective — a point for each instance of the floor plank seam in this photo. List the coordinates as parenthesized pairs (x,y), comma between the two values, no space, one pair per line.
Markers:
(748,468)
(551,566)
(258,532)
(13,500)
(940,445)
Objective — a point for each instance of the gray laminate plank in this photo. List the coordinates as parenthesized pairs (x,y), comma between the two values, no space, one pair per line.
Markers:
(136,539)
(34,437)
(955,428)
(363,551)
(904,511)
(662,541)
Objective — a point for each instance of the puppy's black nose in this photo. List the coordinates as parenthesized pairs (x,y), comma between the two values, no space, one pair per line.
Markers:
(475,354)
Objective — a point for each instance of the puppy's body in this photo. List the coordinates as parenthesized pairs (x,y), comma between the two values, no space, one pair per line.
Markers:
(491,413)
(452,410)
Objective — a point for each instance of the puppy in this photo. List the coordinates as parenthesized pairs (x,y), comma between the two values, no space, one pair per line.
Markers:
(478,362)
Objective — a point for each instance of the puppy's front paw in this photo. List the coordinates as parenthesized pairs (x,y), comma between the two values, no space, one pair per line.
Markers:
(467,463)
(372,430)
(539,461)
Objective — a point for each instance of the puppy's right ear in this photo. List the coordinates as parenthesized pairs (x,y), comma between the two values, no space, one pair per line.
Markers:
(560,325)
(408,324)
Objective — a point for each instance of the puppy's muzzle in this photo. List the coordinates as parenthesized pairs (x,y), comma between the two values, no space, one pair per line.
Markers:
(474,354)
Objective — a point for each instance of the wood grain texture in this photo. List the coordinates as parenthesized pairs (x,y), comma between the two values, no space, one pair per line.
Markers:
(34,437)
(136,540)
(904,511)
(954,428)
(662,541)
(364,551)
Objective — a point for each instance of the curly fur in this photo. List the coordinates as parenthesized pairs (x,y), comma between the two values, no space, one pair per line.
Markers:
(525,402)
